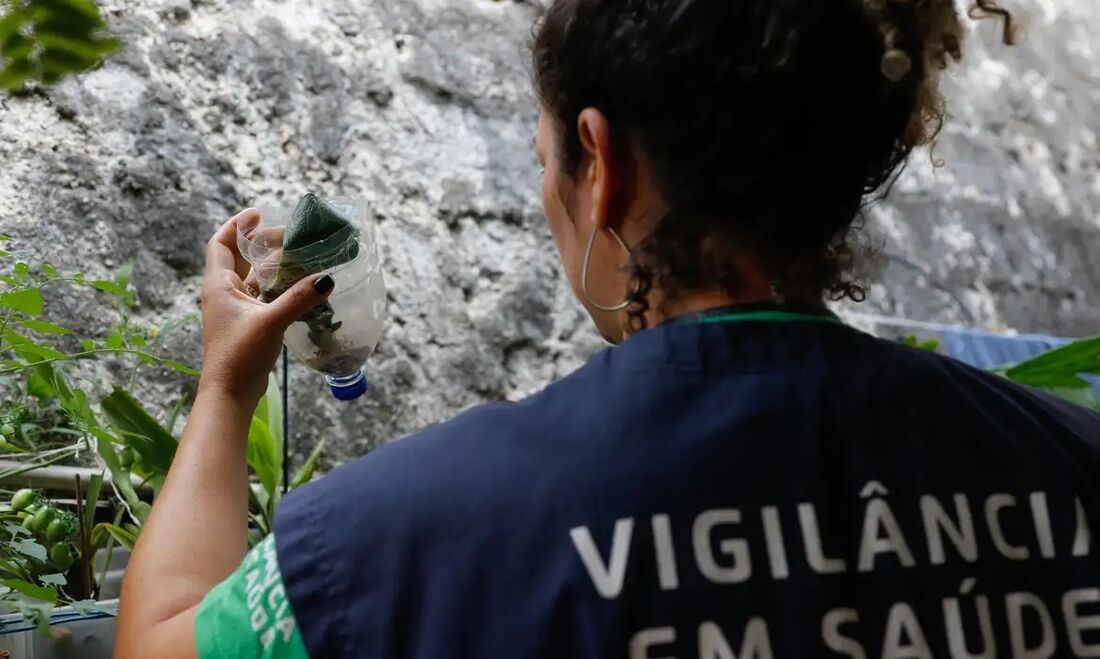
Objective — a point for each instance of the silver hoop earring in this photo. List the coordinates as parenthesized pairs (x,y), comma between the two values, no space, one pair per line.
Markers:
(584,272)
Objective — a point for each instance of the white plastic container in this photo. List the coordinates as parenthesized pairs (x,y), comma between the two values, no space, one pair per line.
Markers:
(336,338)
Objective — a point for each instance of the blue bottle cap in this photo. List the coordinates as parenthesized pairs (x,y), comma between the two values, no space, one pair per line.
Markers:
(348,387)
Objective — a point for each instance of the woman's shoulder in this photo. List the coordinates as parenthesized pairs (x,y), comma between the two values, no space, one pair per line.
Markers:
(480,445)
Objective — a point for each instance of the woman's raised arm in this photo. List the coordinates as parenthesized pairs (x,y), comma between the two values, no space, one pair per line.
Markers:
(195,536)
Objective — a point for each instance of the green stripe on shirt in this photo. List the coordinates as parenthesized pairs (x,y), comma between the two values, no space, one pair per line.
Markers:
(248,616)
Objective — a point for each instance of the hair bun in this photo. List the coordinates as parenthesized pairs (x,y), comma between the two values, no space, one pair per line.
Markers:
(896,64)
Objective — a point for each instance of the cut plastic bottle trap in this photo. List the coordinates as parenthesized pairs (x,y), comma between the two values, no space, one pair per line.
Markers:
(334,237)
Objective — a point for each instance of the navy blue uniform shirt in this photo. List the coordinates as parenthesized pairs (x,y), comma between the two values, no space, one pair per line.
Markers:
(716,490)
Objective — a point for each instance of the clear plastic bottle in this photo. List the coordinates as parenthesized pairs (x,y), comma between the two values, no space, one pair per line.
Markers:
(336,338)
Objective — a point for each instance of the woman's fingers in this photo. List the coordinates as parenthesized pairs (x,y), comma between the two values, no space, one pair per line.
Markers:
(299,300)
(222,252)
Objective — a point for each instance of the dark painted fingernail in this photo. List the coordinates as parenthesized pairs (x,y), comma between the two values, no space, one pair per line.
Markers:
(323,284)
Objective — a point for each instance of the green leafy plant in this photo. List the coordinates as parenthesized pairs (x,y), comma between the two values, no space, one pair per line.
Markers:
(265,456)
(931,345)
(152,447)
(1059,371)
(45,40)
(39,550)
(50,412)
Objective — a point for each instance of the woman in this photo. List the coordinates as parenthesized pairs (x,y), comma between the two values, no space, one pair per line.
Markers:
(742,476)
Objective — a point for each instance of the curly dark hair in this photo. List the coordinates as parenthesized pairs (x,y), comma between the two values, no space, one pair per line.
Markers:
(768,123)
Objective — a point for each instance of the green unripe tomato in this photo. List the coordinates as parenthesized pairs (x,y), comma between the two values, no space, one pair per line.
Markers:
(28,522)
(42,519)
(22,499)
(59,529)
(7,429)
(126,458)
(61,556)
(3,443)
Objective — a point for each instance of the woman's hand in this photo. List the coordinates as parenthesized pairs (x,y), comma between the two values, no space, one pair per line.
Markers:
(242,336)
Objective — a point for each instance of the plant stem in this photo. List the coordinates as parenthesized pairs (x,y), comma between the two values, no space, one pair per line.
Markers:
(79,355)
(57,458)
(108,552)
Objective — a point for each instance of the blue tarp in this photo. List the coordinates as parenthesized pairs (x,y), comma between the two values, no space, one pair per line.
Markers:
(987,350)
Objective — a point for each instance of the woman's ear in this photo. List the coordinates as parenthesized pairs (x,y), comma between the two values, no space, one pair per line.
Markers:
(598,170)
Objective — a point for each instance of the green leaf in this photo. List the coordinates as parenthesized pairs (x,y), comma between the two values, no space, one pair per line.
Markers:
(37,613)
(1084,397)
(88,607)
(114,340)
(11,24)
(91,497)
(44,327)
(59,62)
(182,368)
(9,567)
(88,346)
(111,287)
(29,548)
(55,579)
(119,476)
(121,535)
(21,269)
(78,407)
(53,40)
(16,47)
(55,383)
(305,474)
(138,340)
(107,46)
(38,387)
(131,527)
(36,353)
(27,301)
(16,73)
(31,590)
(177,409)
(144,434)
(1061,367)
(79,278)
(15,529)
(49,270)
(270,410)
(263,456)
(28,349)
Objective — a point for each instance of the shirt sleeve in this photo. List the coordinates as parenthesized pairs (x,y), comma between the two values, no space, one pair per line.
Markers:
(248,615)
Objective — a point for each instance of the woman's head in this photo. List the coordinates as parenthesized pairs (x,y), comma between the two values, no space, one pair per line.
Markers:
(732,144)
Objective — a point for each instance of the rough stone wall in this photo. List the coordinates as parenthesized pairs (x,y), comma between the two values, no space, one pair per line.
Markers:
(423,107)
(1007,233)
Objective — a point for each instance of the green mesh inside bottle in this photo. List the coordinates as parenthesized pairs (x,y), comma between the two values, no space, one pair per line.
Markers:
(318,238)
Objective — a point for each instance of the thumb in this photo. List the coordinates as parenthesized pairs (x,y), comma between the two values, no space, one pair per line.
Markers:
(299,300)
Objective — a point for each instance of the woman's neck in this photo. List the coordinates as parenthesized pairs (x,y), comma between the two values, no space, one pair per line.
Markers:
(697,301)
